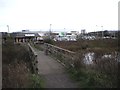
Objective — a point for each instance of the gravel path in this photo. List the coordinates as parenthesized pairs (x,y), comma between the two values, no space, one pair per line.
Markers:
(53,73)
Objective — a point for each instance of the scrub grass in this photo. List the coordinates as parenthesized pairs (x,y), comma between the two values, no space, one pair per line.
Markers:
(17,69)
(103,73)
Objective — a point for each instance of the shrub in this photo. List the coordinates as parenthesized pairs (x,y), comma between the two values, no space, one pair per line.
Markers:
(48,40)
(16,66)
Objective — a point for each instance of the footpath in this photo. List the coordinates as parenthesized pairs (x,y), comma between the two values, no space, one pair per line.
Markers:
(53,73)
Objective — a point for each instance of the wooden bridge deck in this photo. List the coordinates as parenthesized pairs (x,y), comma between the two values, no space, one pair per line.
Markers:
(53,73)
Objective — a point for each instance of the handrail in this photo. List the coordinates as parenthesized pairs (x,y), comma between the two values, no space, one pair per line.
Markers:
(33,57)
(60,48)
(66,57)
(35,53)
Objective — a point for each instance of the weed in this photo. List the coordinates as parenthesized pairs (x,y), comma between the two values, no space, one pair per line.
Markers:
(37,82)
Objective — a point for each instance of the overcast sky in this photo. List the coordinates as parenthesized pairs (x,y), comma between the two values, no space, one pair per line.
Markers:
(68,14)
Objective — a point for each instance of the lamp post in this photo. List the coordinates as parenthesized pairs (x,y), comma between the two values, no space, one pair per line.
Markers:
(8,30)
(50,30)
(102,32)
(97,30)
(64,32)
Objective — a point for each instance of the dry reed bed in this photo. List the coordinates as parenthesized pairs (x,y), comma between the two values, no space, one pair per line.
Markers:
(103,72)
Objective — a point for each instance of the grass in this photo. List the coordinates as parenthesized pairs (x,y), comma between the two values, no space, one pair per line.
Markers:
(37,81)
(17,68)
(104,72)
(90,78)
(77,46)
(39,47)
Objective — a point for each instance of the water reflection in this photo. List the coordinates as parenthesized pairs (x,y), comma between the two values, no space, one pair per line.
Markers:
(107,56)
(90,57)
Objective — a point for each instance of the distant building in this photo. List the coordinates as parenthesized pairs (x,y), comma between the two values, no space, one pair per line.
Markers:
(74,32)
(27,36)
(83,31)
(65,36)
(113,34)
(25,31)
(4,36)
